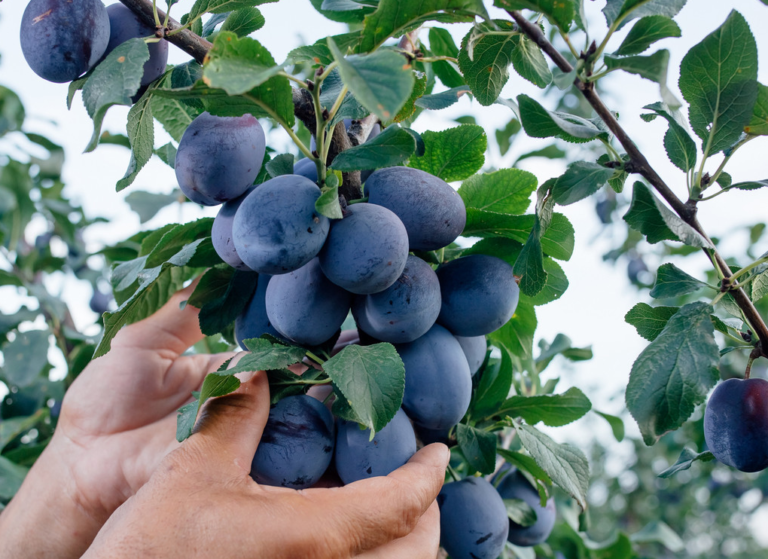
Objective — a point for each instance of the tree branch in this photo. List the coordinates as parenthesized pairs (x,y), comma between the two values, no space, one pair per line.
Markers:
(640,165)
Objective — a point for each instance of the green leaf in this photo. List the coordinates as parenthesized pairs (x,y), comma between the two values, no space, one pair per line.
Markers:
(219,313)
(11,477)
(653,67)
(280,165)
(393,17)
(441,44)
(555,410)
(284,383)
(552,151)
(243,22)
(25,357)
(674,373)
(485,57)
(318,54)
(442,100)
(371,379)
(681,149)
(506,191)
(238,65)
(718,79)
(174,114)
(686,460)
(217,384)
(758,124)
(529,266)
(646,32)
(616,423)
(114,82)
(167,153)
(478,447)
(221,6)
(671,281)
(186,418)
(649,321)
(147,204)
(453,154)
(525,463)
(393,146)
(529,62)
(141,132)
(213,285)
(516,336)
(520,512)
(560,12)
(12,111)
(505,136)
(657,222)
(15,426)
(659,532)
(750,185)
(344,16)
(265,356)
(538,122)
(494,386)
(631,9)
(174,239)
(328,203)
(582,179)
(760,286)
(565,464)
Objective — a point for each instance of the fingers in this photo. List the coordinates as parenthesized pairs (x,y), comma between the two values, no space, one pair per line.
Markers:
(422,543)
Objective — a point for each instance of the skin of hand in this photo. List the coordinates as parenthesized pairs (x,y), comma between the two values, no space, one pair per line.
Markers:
(117,424)
(202,502)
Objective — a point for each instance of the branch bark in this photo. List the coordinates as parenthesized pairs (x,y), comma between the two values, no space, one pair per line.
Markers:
(640,164)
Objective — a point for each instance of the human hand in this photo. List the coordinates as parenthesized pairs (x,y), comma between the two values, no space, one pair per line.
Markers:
(202,502)
(117,423)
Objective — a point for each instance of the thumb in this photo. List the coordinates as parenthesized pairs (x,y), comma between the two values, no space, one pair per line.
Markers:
(230,427)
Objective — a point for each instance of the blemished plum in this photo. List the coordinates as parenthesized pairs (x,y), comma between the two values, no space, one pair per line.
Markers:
(219,158)
(305,307)
(475,348)
(62,39)
(513,485)
(306,168)
(736,424)
(479,294)
(277,228)
(297,445)
(126,25)
(221,232)
(366,251)
(253,321)
(473,519)
(358,458)
(404,311)
(433,213)
(438,385)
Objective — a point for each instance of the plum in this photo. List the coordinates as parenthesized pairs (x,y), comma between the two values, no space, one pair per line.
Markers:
(366,251)
(305,307)
(479,294)
(221,232)
(253,321)
(100,301)
(306,168)
(475,348)
(277,228)
(438,385)
(736,424)
(297,445)
(126,25)
(473,519)
(433,213)
(429,436)
(513,485)
(406,309)
(62,39)
(219,158)
(358,458)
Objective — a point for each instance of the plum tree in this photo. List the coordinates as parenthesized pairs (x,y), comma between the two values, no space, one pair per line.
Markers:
(736,424)
(433,213)
(277,228)
(358,457)
(479,294)
(221,232)
(438,386)
(61,39)
(366,251)
(219,158)
(305,307)
(475,348)
(297,445)
(126,25)
(253,321)
(473,519)
(513,485)
(306,168)
(405,310)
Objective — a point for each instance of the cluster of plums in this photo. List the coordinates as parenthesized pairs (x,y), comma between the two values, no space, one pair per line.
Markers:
(63,39)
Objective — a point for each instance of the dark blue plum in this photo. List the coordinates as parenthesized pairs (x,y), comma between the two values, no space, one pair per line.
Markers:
(253,321)
(277,228)
(221,232)
(219,158)
(513,485)
(736,424)
(126,25)
(405,310)
(429,436)
(433,213)
(473,519)
(474,348)
(366,251)
(438,385)
(100,301)
(358,458)
(479,295)
(62,39)
(306,168)
(305,307)
(297,445)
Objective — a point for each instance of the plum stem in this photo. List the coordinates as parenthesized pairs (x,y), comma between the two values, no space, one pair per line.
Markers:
(453,473)
(315,358)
